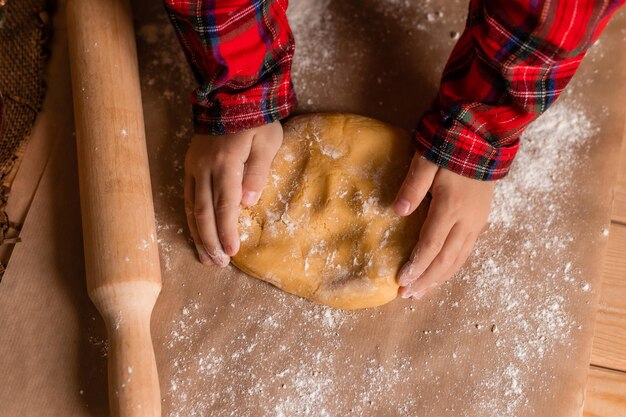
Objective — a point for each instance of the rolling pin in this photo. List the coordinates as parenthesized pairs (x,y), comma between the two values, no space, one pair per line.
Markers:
(121,251)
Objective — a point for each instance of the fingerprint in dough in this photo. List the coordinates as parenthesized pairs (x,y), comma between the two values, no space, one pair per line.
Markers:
(324,228)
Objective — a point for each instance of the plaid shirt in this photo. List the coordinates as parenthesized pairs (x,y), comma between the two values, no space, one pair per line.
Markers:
(240,52)
(511,63)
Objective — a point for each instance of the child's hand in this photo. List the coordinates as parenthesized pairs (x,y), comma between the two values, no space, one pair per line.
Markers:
(458,211)
(220,173)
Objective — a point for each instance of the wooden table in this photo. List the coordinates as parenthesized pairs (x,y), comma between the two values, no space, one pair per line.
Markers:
(606,384)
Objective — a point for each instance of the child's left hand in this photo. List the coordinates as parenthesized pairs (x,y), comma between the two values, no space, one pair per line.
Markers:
(458,212)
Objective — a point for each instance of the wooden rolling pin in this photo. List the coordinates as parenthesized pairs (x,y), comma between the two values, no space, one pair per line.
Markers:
(121,252)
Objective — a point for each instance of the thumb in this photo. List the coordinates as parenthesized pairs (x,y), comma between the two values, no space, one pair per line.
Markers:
(256,171)
(415,186)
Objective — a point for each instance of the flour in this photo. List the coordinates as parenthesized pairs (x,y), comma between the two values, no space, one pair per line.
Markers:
(517,289)
(164,241)
(530,207)
(543,167)
(101,344)
(307,388)
(314,32)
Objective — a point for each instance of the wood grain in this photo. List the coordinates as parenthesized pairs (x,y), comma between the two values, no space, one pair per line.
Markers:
(605,394)
(606,388)
(614,276)
(609,343)
(619,204)
(119,232)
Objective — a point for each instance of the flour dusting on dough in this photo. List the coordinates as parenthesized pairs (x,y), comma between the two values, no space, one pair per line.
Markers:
(333,160)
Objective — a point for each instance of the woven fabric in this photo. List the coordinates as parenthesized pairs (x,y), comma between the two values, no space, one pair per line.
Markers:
(23,31)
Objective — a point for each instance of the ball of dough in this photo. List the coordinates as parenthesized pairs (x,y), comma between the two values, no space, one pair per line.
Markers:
(324,228)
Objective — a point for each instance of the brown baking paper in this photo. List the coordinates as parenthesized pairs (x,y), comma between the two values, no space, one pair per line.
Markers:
(510,335)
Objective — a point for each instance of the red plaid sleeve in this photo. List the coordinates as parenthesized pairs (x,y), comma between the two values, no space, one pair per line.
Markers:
(240,52)
(513,60)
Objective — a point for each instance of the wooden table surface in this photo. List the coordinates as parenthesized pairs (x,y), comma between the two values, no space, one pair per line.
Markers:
(606,384)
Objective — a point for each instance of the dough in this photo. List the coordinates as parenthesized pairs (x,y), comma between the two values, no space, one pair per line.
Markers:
(324,228)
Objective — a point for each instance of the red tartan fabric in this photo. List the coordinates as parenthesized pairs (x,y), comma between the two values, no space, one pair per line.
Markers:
(241,53)
(512,62)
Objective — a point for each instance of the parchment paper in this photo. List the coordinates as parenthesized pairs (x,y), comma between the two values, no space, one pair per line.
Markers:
(509,336)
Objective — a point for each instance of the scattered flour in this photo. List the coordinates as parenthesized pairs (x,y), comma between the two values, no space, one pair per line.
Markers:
(530,208)
(543,165)
(101,344)
(306,389)
(314,33)
(529,317)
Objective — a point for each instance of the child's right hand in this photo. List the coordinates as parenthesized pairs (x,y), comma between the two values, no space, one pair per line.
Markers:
(222,172)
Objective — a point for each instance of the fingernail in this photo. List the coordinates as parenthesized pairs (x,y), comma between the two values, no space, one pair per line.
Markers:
(404,292)
(403,206)
(417,295)
(250,198)
(204,257)
(403,275)
(408,275)
(219,257)
(231,250)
